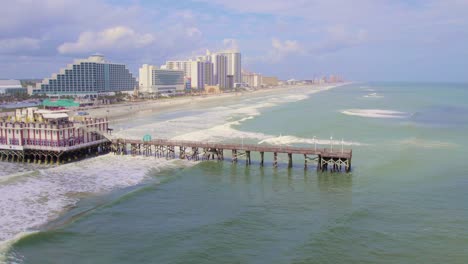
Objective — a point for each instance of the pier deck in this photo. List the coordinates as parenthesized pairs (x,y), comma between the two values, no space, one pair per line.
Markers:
(336,159)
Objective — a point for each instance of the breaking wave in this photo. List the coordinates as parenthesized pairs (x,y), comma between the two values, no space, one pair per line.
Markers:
(373,95)
(29,202)
(375,113)
(288,140)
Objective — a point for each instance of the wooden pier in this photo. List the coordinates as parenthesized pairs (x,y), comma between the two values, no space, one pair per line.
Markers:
(327,159)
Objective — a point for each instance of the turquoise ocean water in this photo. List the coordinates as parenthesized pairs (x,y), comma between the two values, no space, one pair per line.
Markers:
(404,202)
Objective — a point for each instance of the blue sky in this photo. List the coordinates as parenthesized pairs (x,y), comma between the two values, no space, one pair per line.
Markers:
(368,40)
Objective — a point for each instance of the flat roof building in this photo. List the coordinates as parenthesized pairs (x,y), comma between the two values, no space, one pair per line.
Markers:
(154,80)
(11,87)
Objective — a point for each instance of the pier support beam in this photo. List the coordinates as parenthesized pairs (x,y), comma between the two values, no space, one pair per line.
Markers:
(319,163)
(262,154)
(290,164)
(275,160)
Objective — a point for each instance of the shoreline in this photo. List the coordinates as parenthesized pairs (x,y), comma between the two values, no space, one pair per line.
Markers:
(120,112)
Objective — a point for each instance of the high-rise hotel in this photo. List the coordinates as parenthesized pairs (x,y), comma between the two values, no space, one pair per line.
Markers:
(221,68)
(90,76)
(234,64)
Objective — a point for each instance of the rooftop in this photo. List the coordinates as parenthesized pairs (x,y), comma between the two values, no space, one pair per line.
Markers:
(10,84)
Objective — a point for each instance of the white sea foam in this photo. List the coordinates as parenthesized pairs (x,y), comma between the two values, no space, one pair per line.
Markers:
(288,140)
(30,202)
(375,113)
(373,95)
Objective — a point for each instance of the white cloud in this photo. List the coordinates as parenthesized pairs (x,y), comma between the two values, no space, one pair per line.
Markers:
(193,32)
(231,44)
(281,49)
(115,38)
(339,37)
(288,46)
(13,45)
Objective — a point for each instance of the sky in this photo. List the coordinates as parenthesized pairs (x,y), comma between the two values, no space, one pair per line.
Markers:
(362,40)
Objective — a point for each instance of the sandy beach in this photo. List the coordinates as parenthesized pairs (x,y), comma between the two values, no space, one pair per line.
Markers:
(121,112)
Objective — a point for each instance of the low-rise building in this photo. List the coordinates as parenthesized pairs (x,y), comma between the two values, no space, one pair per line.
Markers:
(11,87)
(269,81)
(153,80)
(253,80)
(33,129)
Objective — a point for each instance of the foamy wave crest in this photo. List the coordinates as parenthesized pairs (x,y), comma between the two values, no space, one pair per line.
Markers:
(375,113)
(221,132)
(30,202)
(373,95)
(288,140)
(6,245)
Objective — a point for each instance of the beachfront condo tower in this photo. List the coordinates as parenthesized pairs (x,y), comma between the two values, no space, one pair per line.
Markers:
(90,76)
(234,64)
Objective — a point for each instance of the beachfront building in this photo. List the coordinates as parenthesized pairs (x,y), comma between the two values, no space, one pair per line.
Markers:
(44,134)
(209,76)
(145,78)
(90,76)
(185,66)
(269,81)
(153,80)
(219,70)
(230,82)
(234,64)
(202,74)
(11,87)
(253,80)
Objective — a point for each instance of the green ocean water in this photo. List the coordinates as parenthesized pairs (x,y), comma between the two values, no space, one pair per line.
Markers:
(404,202)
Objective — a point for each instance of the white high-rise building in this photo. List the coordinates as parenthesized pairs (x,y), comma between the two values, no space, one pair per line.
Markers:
(184,66)
(202,74)
(209,77)
(219,69)
(197,76)
(145,78)
(234,64)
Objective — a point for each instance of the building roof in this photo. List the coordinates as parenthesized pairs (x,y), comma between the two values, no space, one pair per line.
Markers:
(55,116)
(4,84)
(60,103)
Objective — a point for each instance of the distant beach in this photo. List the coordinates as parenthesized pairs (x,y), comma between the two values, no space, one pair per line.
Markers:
(117,112)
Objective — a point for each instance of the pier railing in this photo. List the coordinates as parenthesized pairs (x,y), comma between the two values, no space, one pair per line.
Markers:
(335,158)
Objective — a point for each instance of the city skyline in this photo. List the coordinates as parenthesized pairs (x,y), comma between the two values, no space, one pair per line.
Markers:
(397,40)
